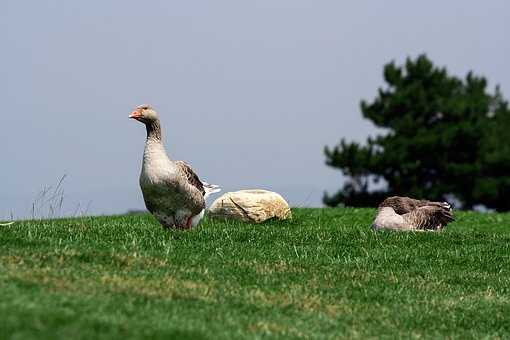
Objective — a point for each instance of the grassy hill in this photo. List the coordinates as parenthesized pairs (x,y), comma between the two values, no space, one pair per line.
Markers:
(324,274)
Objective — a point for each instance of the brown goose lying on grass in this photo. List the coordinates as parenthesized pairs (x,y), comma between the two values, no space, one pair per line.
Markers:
(404,213)
(172,191)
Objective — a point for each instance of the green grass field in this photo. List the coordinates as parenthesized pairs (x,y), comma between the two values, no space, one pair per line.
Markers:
(324,274)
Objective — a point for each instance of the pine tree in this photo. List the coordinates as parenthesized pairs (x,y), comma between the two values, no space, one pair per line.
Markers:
(443,136)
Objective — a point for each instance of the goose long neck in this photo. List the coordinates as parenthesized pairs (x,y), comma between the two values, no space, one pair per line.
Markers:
(154,154)
(154,131)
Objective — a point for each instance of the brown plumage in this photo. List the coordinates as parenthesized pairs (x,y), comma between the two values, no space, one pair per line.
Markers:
(191,176)
(404,213)
(172,191)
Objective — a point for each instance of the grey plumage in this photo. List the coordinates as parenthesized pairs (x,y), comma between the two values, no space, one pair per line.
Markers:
(172,191)
(404,213)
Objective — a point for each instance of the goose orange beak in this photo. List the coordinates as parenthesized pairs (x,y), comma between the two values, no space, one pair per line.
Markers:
(135,115)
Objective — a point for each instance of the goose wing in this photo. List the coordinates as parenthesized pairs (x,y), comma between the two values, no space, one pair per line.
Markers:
(190,175)
(404,205)
(429,217)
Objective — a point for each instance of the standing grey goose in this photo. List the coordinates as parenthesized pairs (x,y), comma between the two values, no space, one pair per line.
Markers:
(404,213)
(172,191)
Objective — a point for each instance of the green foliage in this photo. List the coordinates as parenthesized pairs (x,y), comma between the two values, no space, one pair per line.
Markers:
(443,136)
(324,274)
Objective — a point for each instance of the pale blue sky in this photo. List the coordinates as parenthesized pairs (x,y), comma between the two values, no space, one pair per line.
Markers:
(249,92)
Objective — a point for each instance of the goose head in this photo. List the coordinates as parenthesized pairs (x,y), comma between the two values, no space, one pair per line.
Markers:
(145,114)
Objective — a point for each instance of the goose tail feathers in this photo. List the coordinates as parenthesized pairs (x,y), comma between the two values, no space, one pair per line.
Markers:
(447,206)
(210,189)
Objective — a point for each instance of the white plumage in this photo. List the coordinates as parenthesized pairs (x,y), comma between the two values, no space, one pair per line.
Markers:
(172,191)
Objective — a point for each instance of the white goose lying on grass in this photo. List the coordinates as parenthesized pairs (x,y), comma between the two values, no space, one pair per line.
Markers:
(172,192)
(404,213)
